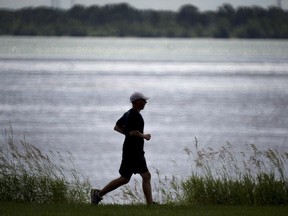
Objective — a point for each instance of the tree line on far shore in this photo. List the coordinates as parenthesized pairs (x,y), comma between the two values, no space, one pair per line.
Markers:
(123,20)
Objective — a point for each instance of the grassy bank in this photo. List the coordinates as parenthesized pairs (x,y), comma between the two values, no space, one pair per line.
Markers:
(220,176)
(11,209)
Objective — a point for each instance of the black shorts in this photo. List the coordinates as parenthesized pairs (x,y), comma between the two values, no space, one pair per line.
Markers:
(132,166)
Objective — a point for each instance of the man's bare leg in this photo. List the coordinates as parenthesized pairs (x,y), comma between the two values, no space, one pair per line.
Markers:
(113,185)
(146,185)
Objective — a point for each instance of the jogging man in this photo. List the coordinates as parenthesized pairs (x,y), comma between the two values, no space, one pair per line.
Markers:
(131,124)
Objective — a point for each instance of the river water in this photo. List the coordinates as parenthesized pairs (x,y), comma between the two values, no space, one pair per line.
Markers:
(65,94)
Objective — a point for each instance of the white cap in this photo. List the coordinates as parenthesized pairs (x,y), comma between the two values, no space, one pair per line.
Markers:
(136,96)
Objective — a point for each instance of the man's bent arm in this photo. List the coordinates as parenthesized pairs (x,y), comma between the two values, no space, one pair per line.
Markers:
(118,129)
(139,134)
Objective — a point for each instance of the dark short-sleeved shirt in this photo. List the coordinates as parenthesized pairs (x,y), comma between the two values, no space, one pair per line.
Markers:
(133,147)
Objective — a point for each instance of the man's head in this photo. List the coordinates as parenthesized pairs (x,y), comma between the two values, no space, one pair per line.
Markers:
(137,96)
(138,100)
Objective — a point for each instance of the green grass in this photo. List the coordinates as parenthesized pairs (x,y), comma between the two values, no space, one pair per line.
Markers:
(11,209)
(29,175)
(253,177)
(219,177)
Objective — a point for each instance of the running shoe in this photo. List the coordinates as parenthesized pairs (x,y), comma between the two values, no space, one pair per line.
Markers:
(95,197)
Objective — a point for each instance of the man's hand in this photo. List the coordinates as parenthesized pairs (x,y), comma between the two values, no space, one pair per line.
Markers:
(147,136)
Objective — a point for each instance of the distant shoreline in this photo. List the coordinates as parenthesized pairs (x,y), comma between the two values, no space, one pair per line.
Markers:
(122,20)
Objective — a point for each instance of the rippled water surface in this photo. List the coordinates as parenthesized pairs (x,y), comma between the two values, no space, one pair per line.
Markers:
(65,94)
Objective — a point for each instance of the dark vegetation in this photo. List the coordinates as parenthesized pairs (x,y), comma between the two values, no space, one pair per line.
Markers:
(122,20)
